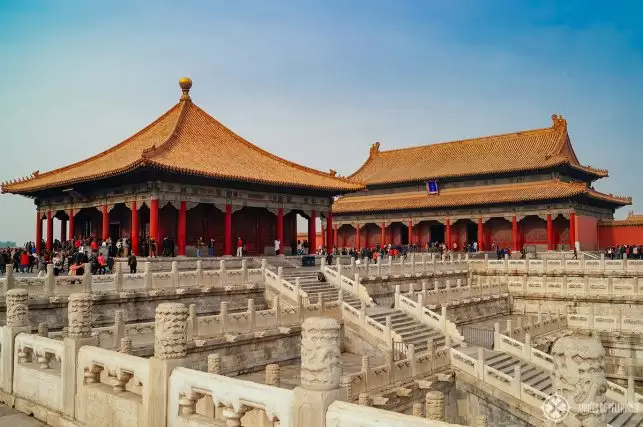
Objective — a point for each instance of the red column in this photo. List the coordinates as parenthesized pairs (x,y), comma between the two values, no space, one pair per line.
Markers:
(410,232)
(480,235)
(38,232)
(50,231)
(182,225)
(447,236)
(514,233)
(383,238)
(134,230)
(63,230)
(154,222)
(357,238)
(280,228)
(105,231)
(227,247)
(312,232)
(72,224)
(330,243)
(572,231)
(335,237)
(550,234)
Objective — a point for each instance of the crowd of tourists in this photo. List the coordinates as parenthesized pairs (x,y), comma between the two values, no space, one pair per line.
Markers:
(69,257)
(624,251)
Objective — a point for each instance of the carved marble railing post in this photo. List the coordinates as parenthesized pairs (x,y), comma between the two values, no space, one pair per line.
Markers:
(322,304)
(193,323)
(365,369)
(272,375)
(126,345)
(10,281)
(251,314)
(223,274)
(321,370)
(118,276)
(579,377)
(379,266)
(79,314)
(79,333)
(43,329)
(199,274)
(223,314)
(277,307)
(175,274)
(50,285)
(244,271)
(87,278)
(148,278)
(17,322)
(170,351)
(119,326)
(435,405)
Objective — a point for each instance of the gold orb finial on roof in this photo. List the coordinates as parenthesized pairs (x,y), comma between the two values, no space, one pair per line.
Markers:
(185,83)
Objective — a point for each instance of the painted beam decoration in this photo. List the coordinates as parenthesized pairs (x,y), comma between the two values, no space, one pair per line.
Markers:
(432,186)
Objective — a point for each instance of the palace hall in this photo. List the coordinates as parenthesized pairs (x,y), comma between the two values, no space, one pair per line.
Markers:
(187,177)
(515,190)
(184,176)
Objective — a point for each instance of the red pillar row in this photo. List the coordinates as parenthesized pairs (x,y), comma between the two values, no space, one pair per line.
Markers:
(572,231)
(312,232)
(134,230)
(72,224)
(228,230)
(357,238)
(38,232)
(105,231)
(330,244)
(550,234)
(480,235)
(154,220)
(182,225)
(383,238)
(410,232)
(335,237)
(50,231)
(447,236)
(514,233)
(280,228)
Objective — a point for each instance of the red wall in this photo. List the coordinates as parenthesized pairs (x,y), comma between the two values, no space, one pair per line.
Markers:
(587,232)
(622,235)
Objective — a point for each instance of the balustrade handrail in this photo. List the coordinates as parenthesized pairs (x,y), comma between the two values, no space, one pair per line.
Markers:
(229,392)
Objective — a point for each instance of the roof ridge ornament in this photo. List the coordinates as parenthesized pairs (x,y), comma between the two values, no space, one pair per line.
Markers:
(558,121)
(375,149)
(185,83)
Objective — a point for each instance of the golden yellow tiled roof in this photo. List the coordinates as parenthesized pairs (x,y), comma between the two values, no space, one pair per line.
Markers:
(513,152)
(189,141)
(470,196)
(631,220)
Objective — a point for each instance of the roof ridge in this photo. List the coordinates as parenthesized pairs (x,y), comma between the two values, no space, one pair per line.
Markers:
(165,145)
(268,154)
(463,141)
(104,153)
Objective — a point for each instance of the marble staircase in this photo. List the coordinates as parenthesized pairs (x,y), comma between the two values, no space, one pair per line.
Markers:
(309,283)
(411,330)
(541,380)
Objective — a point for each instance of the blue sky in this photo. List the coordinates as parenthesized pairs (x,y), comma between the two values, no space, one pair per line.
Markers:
(318,82)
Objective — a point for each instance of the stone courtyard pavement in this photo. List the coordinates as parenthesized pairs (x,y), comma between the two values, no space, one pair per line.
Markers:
(12,418)
(290,375)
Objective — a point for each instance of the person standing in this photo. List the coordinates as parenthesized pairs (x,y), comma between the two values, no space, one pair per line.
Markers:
(211,247)
(239,246)
(199,245)
(131,261)
(277,246)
